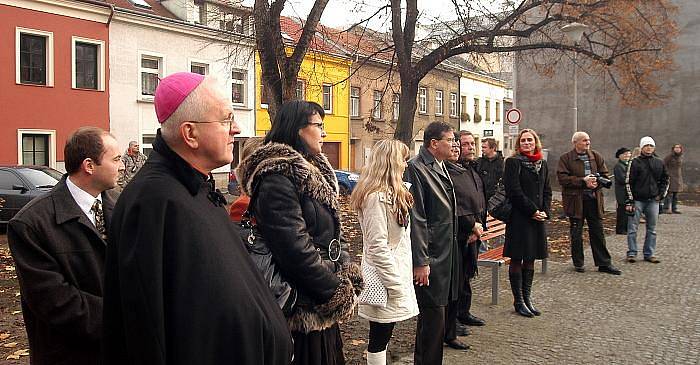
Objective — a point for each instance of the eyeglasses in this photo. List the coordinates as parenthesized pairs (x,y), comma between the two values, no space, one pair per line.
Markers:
(229,121)
(449,140)
(319,125)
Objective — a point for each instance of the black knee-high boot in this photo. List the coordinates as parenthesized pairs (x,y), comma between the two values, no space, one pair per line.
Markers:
(528,275)
(516,282)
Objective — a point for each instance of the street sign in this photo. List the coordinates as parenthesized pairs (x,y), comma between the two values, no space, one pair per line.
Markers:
(513,116)
(488,132)
(513,130)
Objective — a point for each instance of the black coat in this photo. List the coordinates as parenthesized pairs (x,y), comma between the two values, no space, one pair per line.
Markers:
(647,179)
(180,287)
(294,202)
(433,229)
(528,191)
(620,172)
(491,170)
(59,256)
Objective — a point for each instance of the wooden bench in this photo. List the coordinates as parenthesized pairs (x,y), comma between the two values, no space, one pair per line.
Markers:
(493,257)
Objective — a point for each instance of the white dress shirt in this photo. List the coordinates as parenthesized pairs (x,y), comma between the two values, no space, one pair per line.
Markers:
(84,199)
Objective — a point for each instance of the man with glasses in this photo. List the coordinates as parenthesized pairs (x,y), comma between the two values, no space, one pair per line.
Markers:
(133,160)
(180,287)
(434,243)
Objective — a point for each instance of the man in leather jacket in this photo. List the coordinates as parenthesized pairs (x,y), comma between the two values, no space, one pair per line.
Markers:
(433,241)
(647,184)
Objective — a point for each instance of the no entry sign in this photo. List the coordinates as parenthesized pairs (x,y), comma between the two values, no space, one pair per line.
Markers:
(513,116)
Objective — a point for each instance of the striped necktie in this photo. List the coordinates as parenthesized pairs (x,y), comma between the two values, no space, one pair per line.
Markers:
(99,218)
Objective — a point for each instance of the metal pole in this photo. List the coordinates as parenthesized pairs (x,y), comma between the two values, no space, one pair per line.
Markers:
(575,95)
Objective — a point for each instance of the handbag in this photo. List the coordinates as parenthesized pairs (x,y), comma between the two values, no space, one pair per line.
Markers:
(260,254)
(499,206)
(374,293)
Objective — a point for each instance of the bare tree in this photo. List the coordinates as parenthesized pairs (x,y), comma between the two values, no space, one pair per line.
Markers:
(280,69)
(630,41)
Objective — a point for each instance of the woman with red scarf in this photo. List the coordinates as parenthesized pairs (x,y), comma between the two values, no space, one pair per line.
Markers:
(526,183)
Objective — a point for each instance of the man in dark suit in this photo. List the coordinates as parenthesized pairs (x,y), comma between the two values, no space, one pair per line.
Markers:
(58,242)
(434,242)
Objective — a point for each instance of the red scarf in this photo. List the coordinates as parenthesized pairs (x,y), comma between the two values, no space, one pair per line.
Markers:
(533,157)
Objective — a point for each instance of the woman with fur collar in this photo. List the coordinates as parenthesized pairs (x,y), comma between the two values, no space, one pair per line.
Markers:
(383,204)
(294,203)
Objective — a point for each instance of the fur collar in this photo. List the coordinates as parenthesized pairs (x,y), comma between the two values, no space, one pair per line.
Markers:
(313,175)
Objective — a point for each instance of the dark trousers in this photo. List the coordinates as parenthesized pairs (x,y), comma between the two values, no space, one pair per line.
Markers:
(670,202)
(601,256)
(451,321)
(465,300)
(379,336)
(430,327)
(621,219)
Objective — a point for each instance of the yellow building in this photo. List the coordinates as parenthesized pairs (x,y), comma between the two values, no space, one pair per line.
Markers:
(322,79)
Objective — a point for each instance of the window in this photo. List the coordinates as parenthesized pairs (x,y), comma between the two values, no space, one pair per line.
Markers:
(498,112)
(354,101)
(199,68)
(328,98)
(35,149)
(231,22)
(300,90)
(88,63)
(438,102)
(238,82)
(34,57)
(422,100)
(453,104)
(8,180)
(147,143)
(463,105)
(377,104)
(264,98)
(395,105)
(151,70)
(476,106)
(487,105)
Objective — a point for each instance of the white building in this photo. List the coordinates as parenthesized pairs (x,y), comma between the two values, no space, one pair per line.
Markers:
(153,39)
(482,99)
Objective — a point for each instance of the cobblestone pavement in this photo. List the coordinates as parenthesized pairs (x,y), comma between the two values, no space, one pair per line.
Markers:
(649,315)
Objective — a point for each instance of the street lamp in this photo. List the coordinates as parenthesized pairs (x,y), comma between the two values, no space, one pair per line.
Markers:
(574,32)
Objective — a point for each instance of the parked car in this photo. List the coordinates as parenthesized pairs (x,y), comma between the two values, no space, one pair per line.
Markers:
(20,184)
(346,181)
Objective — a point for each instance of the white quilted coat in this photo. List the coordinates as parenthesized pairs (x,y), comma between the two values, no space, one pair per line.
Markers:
(387,247)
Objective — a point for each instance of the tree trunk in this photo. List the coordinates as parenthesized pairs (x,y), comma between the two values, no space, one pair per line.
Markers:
(407,110)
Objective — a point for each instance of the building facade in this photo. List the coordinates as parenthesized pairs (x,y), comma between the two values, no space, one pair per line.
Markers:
(54,77)
(152,42)
(482,101)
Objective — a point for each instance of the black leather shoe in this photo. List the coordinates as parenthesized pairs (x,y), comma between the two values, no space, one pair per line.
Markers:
(457,345)
(471,320)
(579,269)
(610,270)
(462,330)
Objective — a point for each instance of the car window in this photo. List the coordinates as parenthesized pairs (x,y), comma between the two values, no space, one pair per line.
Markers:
(38,178)
(7,179)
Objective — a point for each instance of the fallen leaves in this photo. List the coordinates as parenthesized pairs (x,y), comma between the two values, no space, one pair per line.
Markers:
(16,355)
(9,344)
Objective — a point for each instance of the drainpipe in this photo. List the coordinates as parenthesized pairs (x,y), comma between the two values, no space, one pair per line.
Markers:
(111,14)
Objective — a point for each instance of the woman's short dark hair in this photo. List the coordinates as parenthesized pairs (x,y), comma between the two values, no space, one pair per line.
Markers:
(435,130)
(291,117)
(86,142)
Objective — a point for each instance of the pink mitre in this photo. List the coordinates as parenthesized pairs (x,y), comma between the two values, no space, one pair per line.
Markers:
(171,92)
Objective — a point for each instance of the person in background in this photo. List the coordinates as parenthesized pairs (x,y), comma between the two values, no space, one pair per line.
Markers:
(623,156)
(490,166)
(434,243)
(180,287)
(240,205)
(133,160)
(578,172)
(294,193)
(382,203)
(58,242)
(646,185)
(526,183)
(471,217)
(674,166)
